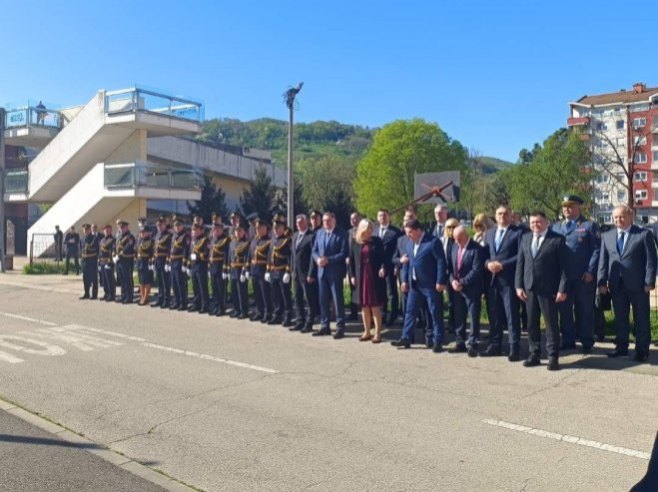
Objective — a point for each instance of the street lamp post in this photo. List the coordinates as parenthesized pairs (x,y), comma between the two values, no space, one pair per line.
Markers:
(289,96)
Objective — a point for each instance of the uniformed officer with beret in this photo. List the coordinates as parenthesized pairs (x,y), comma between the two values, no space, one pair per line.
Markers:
(199,253)
(238,253)
(125,261)
(278,274)
(219,266)
(178,261)
(258,253)
(89,262)
(162,269)
(583,241)
(107,250)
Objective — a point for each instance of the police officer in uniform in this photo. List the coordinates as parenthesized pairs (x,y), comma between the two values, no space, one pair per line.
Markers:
(145,253)
(162,269)
(126,262)
(258,253)
(106,266)
(583,241)
(89,263)
(278,274)
(219,249)
(238,256)
(178,261)
(199,253)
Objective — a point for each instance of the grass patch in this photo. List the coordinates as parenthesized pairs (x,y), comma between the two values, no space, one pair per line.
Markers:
(44,269)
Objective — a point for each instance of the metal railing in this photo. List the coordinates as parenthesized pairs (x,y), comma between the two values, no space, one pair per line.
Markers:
(143,174)
(32,116)
(136,99)
(16,181)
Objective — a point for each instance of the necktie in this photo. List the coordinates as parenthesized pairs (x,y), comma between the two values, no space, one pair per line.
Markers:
(534,247)
(300,236)
(460,255)
(499,238)
(620,242)
(439,230)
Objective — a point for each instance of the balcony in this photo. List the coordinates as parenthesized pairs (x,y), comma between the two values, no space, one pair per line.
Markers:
(158,113)
(578,121)
(142,174)
(16,181)
(31,125)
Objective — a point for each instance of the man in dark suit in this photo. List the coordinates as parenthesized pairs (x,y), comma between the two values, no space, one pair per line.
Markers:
(627,269)
(424,277)
(329,253)
(467,280)
(389,235)
(503,245)
(306,293)
(441,216)
(541,282)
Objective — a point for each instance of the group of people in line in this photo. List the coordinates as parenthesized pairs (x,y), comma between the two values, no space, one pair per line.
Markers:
(561,272)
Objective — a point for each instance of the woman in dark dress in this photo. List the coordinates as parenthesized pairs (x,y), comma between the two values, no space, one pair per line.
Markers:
(367,276)
(145,248)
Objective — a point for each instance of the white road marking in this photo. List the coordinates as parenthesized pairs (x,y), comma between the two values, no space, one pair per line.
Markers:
(75,335)
(189,353)
(569,439)
(25,318)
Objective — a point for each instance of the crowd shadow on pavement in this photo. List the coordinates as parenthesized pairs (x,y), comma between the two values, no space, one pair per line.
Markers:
(9,438)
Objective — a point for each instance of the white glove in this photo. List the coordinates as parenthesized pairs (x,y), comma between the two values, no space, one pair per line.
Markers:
(100,268)
(108,267)
(193,257)
(225,276)
(188,272)
(115,258)
(268,277)
(286,278)
(209,274)
(167,268)
(243,279)
(152,268)
(247,275)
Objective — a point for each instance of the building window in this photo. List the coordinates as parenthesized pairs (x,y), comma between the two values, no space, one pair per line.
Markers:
(620,124)
(641,194)
(640,158)
(605,197)
(621,195)
(621,177)
(655,156)
(602,178)
(640,140)
(605,218)
(620,142)
(640,176)
(639,122)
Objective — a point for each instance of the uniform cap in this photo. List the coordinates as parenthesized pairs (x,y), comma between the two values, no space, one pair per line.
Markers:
(196,225)
(261,222)
(122,222)
(571,199)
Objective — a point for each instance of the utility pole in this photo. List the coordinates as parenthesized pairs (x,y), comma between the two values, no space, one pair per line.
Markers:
(3,114)
(289,96)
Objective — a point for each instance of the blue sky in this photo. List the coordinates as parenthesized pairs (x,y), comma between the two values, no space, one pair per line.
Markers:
(497,76)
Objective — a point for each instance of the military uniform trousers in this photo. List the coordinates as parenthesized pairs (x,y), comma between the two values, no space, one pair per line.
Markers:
(580,298)
(281,298)
(125,272)
(107,272)
(239,294)
(90,276)
(199,272)
(179,284)
(218,288)
(164,281)
(262,296)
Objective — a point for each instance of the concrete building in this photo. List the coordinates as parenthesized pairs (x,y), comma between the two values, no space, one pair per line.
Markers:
(622,129)
(126,153)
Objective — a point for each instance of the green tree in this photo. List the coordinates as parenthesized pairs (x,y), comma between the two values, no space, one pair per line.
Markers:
(260,196)
(401,149)
(560,166)
(213,199)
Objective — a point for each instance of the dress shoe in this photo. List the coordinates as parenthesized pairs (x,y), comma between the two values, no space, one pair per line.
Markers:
(429,343)
(339,334)
(472,351)
(437,348)
(306,329)
(243,316)
(192,309)
(165,306)
(553,364)
(514,357)
(295,328)
(460,348)
(181,308)
(299,325)
(93,298)
(255,317)
(156,305)
(274,321)
(83,297)
(640,356)
(492,351)
(203,311)
(618,352)
(567,346)
(531,361)
(401,343)
(234,314)
(174,306)
(288,324)
(322,333)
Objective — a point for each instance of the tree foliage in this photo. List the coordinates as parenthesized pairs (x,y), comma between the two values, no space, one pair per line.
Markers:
(260,196)
(562,165)
(401,149)
(213,199)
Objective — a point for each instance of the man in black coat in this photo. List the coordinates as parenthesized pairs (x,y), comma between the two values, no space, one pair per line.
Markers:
(627,269)
(541,283)
(305,286)
(389,235)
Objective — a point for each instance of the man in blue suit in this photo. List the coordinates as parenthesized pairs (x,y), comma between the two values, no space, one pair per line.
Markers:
(329,253)
(503,244)
(627,269)
(389,235)
(424,277)
(467,280)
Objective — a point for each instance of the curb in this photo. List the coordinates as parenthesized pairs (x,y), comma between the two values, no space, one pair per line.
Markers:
(104,453)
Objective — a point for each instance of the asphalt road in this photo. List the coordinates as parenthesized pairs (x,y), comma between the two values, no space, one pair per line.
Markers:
(34,460)
(232,405)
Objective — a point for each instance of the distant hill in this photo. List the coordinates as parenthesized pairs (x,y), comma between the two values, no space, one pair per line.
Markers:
(490,165)
(311,139)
